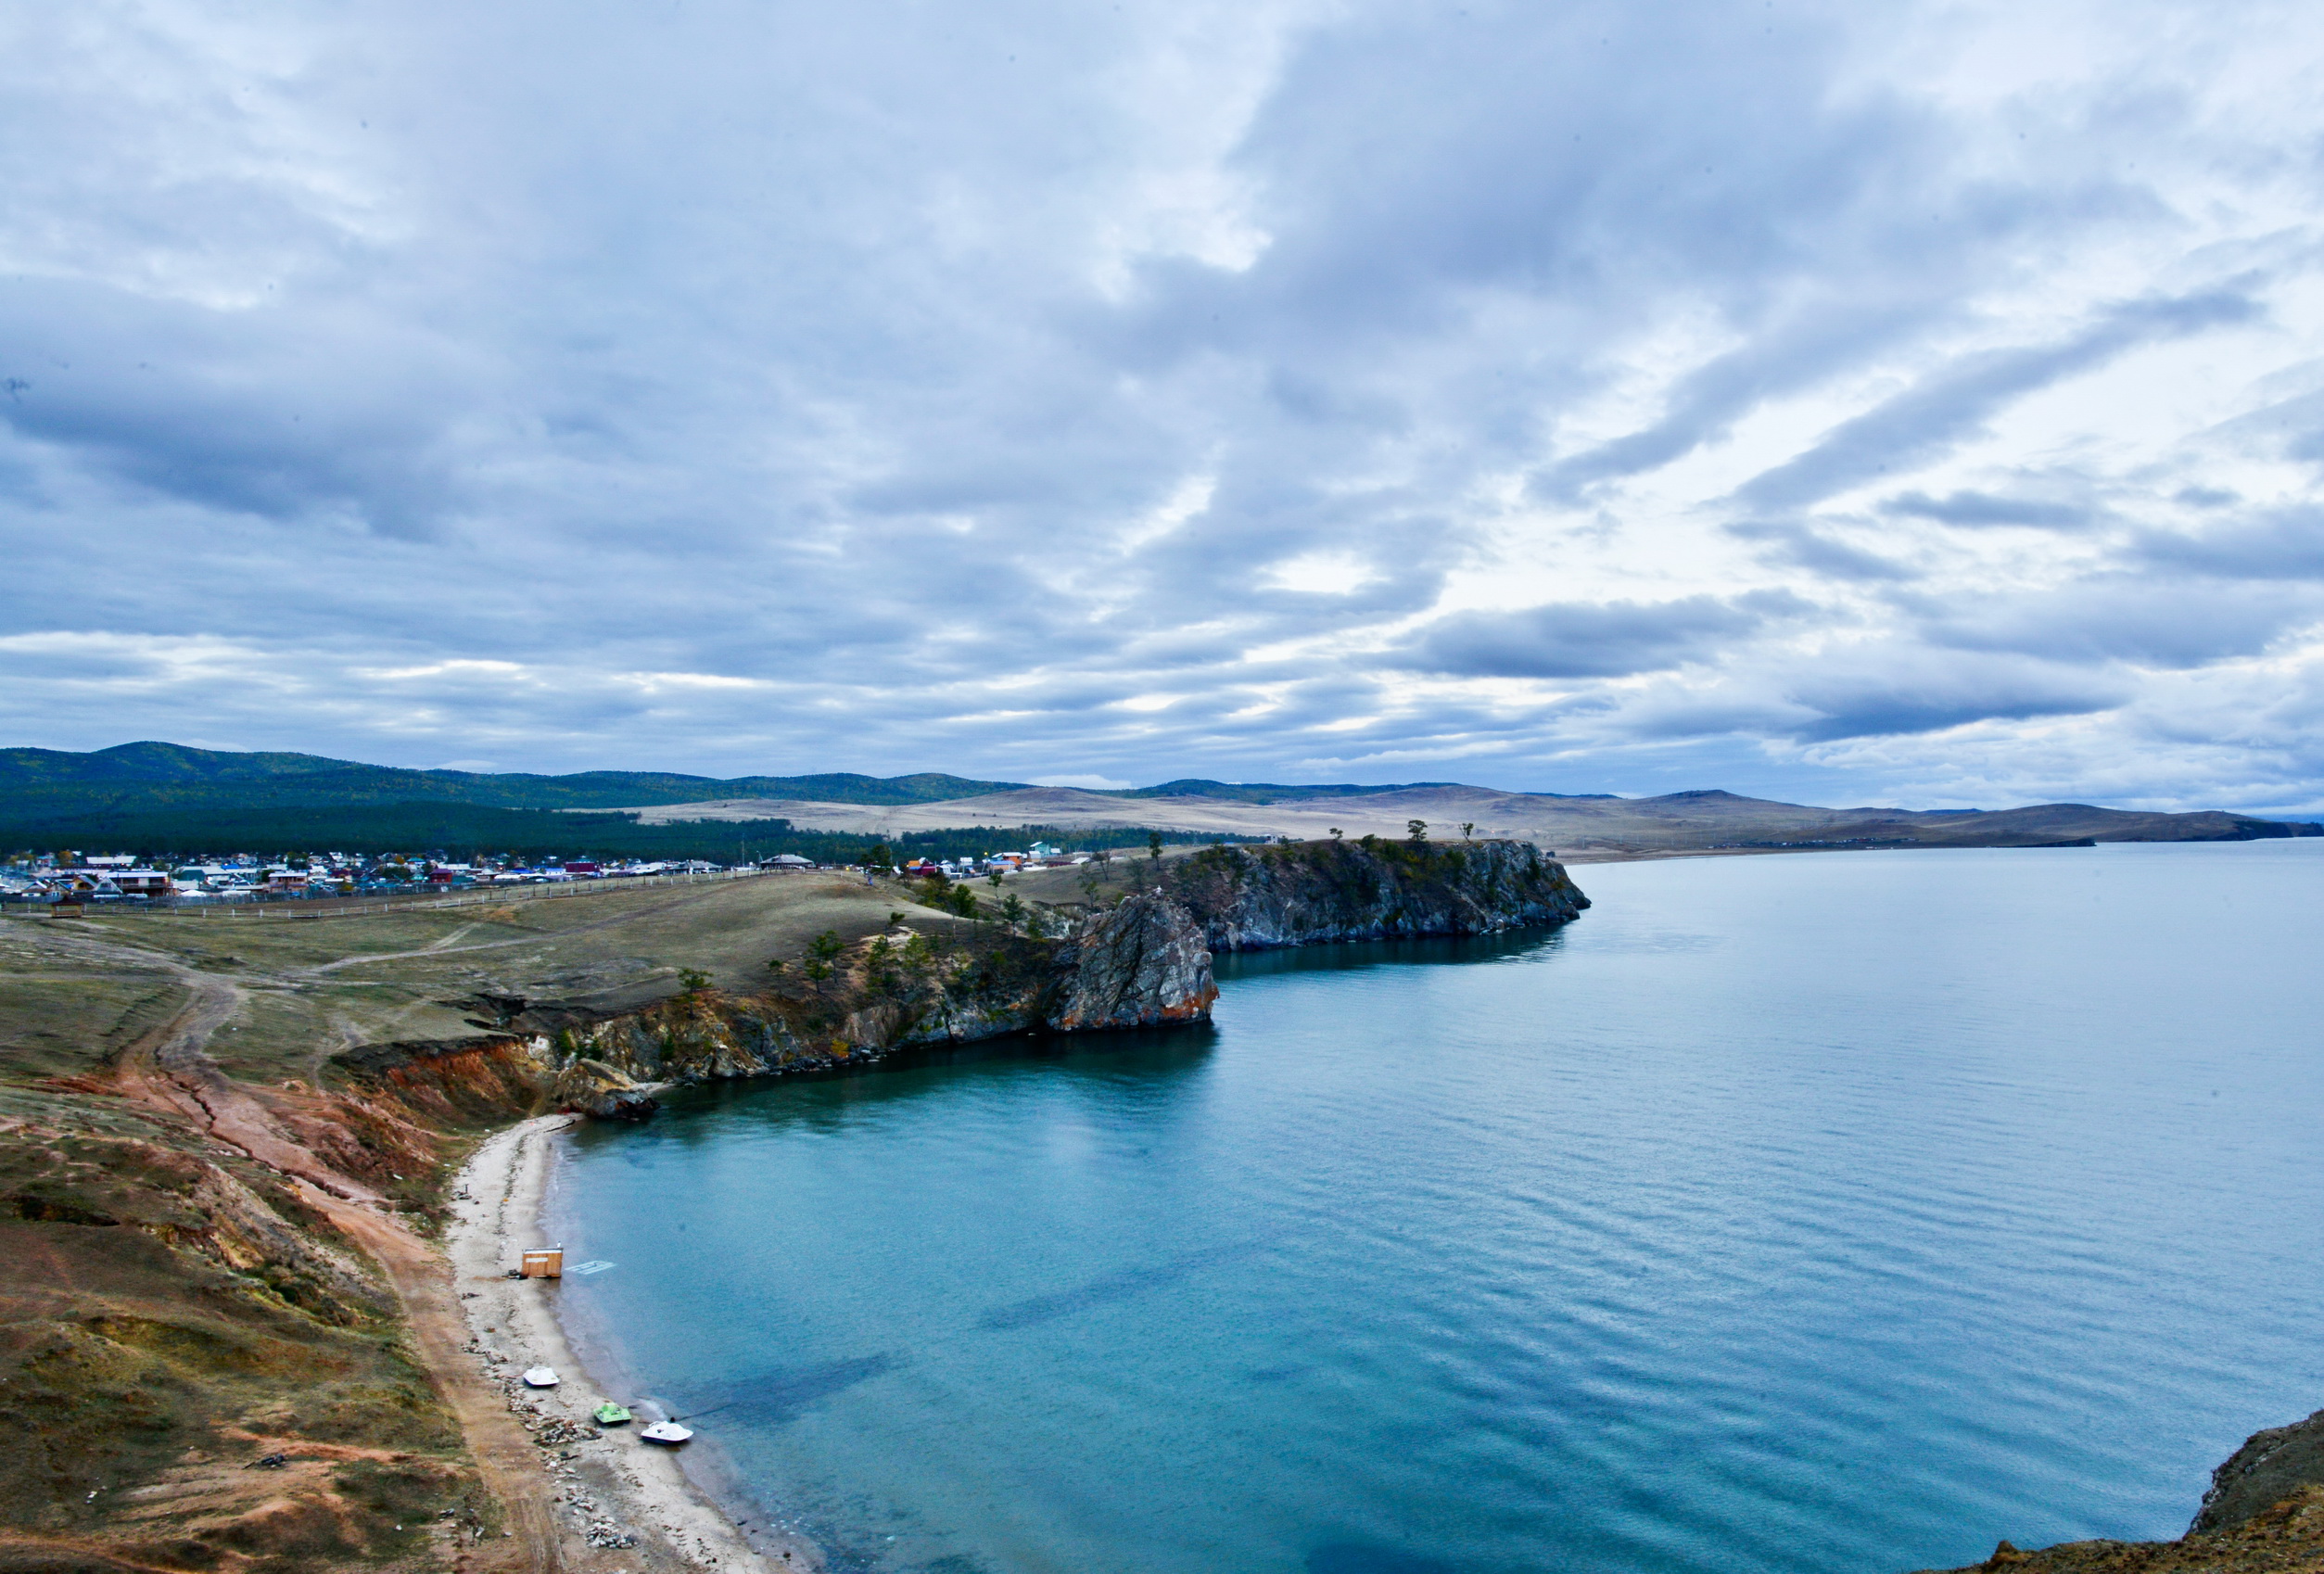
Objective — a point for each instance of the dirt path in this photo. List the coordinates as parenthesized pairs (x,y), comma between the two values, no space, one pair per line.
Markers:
(505,1454)
(171,1068)
(444,1294)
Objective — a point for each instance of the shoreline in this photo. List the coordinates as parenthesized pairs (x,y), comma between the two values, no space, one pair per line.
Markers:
(604,1486)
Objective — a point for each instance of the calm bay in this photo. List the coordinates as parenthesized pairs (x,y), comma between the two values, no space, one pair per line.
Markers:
(1808,1213)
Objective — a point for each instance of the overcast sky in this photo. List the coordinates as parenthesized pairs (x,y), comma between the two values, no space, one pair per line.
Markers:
(1860,403)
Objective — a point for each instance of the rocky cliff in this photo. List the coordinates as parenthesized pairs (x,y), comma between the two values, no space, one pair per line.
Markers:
(2263,1515)
(1254,898)
(1139,963)
(2273,1465)
(1142,961)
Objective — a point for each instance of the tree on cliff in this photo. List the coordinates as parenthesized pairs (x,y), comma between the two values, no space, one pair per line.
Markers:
(1417,831)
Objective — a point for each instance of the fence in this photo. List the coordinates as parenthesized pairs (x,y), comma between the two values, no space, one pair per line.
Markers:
(342,907)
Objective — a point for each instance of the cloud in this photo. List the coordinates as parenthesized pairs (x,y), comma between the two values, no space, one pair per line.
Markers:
(1976,509)
(1900,691)
(2279,544)
(1122,393)
(2120,618)
(1954,402)
(1592,640)
(1802,546)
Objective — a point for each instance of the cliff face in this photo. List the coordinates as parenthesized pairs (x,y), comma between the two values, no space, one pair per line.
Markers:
(2271,1465)
(1143,962)
(1255,898)
(1140,963)
(2263,1515)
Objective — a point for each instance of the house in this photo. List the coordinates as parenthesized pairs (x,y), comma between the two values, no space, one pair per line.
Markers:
(786,860)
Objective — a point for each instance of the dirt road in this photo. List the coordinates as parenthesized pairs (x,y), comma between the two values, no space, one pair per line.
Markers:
(170,1068)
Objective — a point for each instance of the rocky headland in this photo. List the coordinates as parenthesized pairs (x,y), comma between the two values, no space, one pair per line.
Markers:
(1319,892)
(1143,960)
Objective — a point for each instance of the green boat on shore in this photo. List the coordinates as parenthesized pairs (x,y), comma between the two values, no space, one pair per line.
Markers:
(611,1414)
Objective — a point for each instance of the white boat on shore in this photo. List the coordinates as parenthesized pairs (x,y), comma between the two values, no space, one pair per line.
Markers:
(666,1432)
(540,1377)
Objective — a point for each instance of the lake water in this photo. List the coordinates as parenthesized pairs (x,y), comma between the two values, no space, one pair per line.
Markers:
(1824,1213)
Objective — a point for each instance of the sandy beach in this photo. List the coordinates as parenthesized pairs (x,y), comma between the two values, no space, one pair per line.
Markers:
(620,1504)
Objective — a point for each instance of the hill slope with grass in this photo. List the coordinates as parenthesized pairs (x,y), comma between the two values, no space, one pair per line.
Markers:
(47,784)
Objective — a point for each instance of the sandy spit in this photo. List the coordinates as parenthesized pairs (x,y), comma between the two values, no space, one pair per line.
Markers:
(605,1489)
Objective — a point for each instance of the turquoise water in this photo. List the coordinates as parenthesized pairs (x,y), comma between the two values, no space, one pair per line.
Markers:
(1831,1212)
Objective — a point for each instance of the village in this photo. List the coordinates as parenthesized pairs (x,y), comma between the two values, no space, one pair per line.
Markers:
(70,878)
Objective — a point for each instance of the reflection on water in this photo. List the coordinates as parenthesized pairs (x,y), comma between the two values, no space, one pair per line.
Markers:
(1808,1214)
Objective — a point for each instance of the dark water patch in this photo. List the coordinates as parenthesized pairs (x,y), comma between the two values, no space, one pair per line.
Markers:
(1108,1287)
(1350,1557)
(776,1397)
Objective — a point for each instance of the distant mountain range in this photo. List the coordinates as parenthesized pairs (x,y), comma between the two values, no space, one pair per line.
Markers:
(1598,825)
(169,793)
(37,784)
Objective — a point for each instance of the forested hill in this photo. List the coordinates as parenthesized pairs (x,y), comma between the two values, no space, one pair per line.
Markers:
(42,785)
(39,786)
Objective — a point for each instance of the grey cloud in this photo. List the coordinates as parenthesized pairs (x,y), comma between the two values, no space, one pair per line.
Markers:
(1594,640)
(2283,544)
(1708,402)
(1929,692)
(2181,625)
(1975,509)
(238,410)
(1795,545)
(2288,428)
(1958,400)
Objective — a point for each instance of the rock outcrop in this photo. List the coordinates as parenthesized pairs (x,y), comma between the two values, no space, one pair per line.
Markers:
(1143,963)
(605,1092)
(2263,1515)
(2271,1465)
(1256,898)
